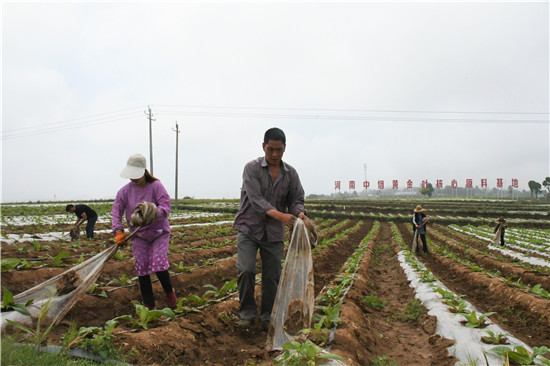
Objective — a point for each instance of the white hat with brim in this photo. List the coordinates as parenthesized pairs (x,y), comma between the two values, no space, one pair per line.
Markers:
(135,167)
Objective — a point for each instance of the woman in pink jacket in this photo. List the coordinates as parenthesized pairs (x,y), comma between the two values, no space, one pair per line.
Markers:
(150,243)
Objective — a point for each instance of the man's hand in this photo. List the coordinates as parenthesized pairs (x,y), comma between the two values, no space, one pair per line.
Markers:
(286,219)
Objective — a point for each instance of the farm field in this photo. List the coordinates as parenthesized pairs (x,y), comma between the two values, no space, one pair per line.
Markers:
(376,303)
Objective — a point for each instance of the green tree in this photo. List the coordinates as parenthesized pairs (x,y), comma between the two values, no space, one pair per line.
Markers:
(428,190)
(534,187)
(546,183)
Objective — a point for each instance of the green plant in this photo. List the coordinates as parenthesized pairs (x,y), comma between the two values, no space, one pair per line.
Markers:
(495,338)
(228,287)
(8,303)
(458,306)
(36,336)
(96,339)
(9,263)
(121,281)
(145,316)
(94,290)
(412,311)
(521,356)
(473,321)
(538,290)
(57,261)
(197,300)
(374,302)
(427,276)
(382,361)
(180,268)
(330,316)
(318,334)
(307,353)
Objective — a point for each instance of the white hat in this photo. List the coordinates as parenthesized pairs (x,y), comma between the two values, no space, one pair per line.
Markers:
(135,167)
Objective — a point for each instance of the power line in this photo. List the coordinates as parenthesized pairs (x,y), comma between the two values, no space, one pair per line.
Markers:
(15,134)
(352,110)
(347,118)
(41,125)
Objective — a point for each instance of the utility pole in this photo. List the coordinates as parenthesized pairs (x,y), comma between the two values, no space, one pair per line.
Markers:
(150,118)
(177,131)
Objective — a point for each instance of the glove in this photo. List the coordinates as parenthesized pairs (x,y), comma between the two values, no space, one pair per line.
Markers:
(120,238)
(144,214)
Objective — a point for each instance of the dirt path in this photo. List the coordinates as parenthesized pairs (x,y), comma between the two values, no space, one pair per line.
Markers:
(370,333)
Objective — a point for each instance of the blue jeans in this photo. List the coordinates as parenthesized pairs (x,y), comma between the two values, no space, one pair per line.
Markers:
(271,254)
(90,227)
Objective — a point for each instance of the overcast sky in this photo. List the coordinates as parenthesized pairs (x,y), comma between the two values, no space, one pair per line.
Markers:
(414,90)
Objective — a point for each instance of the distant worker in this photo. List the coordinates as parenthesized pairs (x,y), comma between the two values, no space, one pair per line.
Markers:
(419,223)
(83,213)
(501,225)
(147,206)
(271,197)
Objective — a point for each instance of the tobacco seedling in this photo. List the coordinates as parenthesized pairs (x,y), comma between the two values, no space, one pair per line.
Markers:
(228,287)
(495,338)
(538,290)
(95,339)
(145,316)
(330,316)
(9,263)
(473,321)
(318,334)
(307,353)
(8,303)
(522,356)
(180,268)
(94,290)
(57,261)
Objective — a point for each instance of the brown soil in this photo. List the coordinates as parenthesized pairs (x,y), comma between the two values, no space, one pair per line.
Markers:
(524,315)
(212,336)
(367,333)
(68,283)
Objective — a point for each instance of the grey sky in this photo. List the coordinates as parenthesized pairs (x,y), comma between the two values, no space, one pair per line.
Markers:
(350,84)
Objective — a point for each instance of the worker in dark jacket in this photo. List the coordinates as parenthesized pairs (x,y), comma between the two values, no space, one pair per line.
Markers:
(271,195)
(419,223)
(501,224)
(83,213)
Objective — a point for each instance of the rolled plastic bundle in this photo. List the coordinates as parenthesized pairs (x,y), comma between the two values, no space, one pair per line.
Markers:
(144,214)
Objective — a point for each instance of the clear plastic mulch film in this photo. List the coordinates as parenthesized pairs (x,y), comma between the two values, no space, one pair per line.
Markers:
(62,291)
(294,304)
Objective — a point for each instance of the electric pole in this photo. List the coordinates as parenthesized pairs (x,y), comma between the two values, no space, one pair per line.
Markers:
(150,118)
(177,131)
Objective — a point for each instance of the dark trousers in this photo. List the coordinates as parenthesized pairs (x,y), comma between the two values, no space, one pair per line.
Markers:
(271,254)
(424,245)
(502,237)
(146,287)
(90,227)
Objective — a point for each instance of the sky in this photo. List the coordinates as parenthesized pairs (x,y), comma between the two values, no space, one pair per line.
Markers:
(377,90)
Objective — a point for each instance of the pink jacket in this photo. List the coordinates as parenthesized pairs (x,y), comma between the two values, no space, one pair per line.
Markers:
(129,196)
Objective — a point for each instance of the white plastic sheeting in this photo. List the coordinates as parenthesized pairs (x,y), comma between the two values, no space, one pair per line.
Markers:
(468,346)
(523,257)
